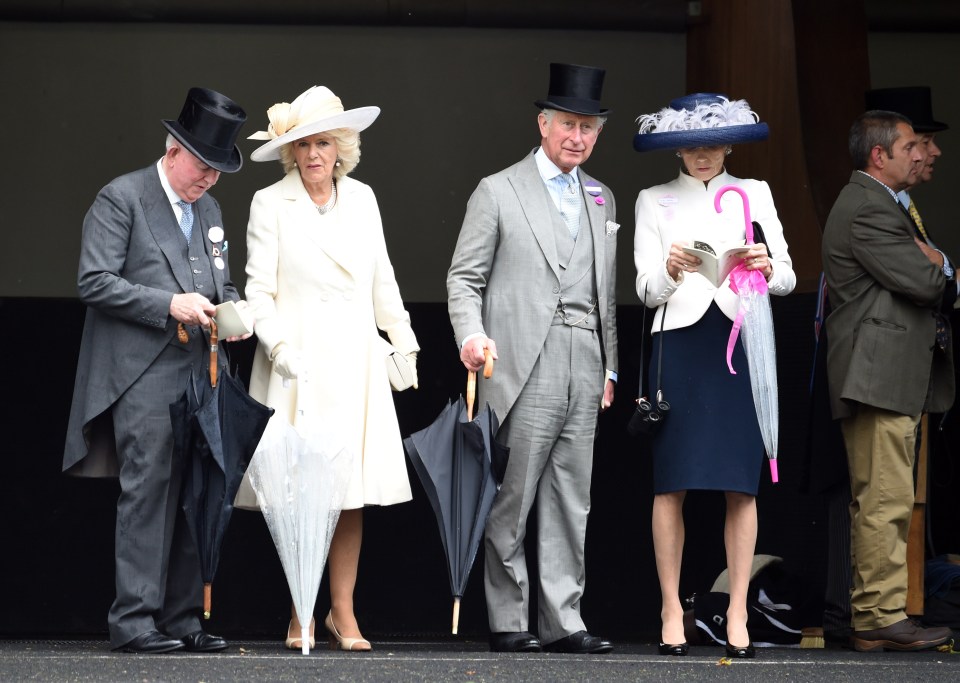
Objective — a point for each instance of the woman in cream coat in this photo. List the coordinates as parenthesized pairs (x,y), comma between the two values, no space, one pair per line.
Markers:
(320,283)
(710,439)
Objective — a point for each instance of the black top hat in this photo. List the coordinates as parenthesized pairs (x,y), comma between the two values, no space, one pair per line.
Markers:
(913,102)
(575,89)
(208,126)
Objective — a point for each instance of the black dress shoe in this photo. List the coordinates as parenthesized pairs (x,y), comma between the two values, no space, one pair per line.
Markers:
(199,641)
(152,643)
(514,641)
(580,642)
(680,650)
(734,652)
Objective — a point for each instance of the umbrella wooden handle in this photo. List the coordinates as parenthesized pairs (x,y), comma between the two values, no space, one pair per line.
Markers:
(213,353)
(472,383)
(456,615)
(487,364)
(206,600)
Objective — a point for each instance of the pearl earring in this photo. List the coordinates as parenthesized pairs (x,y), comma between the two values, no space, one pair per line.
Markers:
(338,163)
(728,151)
(678,154)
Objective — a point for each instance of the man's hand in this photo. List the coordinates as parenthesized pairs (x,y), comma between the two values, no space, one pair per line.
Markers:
(192,309)
(607,399)
(472,352)
(935,257)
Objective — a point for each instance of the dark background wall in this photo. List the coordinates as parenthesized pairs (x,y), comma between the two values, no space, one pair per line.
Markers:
(83,94)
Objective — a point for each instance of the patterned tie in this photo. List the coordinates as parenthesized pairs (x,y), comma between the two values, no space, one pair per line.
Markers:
(915,215)
(186,219)
(570,205)
(943,335)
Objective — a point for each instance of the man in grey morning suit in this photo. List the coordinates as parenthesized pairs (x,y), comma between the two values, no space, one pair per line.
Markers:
(534,269)
(888,360)
(152,255)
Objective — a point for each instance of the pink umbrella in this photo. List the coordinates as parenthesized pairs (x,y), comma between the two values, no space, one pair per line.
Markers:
(756,319)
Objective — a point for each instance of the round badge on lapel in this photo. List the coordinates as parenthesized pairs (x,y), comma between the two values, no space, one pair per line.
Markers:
(218,262)
(215,234)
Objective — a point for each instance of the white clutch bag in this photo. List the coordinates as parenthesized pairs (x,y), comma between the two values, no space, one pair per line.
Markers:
(398,370)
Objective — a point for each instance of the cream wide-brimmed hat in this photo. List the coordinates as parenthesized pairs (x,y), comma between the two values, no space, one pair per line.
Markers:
(314,111)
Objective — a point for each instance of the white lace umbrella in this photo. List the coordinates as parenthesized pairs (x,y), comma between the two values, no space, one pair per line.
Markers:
(756,318)
(300,475)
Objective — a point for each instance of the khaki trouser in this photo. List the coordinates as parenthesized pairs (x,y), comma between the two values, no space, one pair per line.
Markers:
(880,454)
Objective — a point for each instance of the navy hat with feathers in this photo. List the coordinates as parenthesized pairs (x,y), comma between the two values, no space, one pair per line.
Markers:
(699,120)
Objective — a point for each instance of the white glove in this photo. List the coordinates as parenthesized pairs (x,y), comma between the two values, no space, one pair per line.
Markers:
(287,362)
(412,363)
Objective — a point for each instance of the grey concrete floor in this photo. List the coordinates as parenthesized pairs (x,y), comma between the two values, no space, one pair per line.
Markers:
(448,660)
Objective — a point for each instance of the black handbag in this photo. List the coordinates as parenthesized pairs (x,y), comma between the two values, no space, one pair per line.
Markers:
(649,415)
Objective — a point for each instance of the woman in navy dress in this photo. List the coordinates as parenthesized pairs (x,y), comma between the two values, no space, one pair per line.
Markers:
(711,439)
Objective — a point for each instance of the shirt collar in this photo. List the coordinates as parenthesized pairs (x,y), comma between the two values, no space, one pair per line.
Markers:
(172,196)
(548,169)
(882,184)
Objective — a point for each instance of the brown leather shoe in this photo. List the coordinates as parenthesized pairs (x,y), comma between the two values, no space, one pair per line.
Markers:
(906,635)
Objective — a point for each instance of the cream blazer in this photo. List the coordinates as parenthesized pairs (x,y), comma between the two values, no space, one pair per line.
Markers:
(323,285)
(683,210)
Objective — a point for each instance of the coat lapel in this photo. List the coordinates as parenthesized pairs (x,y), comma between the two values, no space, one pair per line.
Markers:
(304,214)
(208,217)
(534,203)
(597,216)
(163,225)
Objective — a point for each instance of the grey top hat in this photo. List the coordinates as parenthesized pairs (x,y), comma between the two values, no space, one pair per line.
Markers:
(208,126)
(914,102)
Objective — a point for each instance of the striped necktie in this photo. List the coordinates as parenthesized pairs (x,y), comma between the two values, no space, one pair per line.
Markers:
(570,205)
(186,219)
(915,215)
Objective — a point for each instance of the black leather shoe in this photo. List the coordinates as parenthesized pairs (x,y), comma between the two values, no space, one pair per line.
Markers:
(581,643)
(680,650)
(514,641)
(199,641)
(734,652)
(152,643)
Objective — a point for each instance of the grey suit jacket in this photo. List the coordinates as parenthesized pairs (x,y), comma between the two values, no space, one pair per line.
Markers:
(131,264)
(885,294)
(504,278)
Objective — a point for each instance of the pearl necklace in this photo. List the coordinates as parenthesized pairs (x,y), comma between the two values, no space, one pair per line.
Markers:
(330,202)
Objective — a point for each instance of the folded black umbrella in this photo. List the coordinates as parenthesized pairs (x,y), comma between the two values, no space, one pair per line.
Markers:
(216,428)
(461,466)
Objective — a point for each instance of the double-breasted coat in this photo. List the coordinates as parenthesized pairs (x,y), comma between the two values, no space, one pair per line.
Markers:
(323,285)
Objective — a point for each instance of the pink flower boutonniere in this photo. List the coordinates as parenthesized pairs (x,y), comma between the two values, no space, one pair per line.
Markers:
(594,191)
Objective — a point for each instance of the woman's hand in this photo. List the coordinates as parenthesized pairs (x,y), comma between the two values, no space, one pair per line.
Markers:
(757,259)
(679,261)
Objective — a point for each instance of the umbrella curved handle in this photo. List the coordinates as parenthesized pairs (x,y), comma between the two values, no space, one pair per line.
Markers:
(214,346)
(747,223)
(472,381)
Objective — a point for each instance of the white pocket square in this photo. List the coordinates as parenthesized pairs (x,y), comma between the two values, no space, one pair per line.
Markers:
(612,227)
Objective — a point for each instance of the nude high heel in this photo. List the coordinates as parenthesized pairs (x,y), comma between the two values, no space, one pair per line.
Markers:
(338,642)
(294,642)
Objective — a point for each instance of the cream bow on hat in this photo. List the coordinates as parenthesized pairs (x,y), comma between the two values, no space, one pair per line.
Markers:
(314,111)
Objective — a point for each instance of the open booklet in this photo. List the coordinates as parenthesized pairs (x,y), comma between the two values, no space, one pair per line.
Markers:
(233,321)
(717,261)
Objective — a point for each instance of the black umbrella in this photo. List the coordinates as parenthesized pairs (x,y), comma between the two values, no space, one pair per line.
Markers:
(461,467)
(216,428)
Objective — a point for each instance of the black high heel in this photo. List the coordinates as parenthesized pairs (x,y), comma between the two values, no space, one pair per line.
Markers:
(680,650)
(734,652)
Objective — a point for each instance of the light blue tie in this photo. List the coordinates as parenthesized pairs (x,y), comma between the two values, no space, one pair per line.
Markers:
(186,219)
(570,205)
